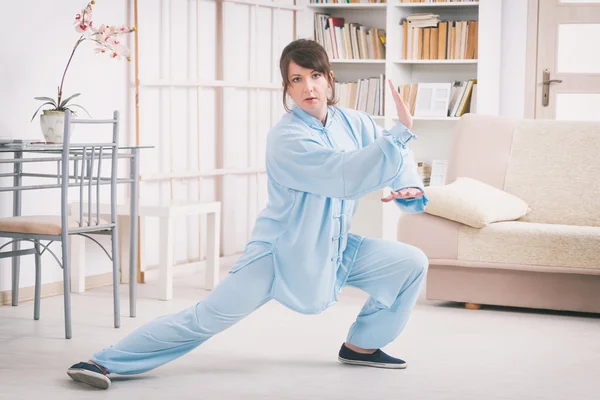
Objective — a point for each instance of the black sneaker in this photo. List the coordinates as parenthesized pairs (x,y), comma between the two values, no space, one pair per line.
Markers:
(378,359)
(89,374)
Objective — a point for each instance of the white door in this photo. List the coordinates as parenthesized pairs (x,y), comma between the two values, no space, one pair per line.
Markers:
(568,60)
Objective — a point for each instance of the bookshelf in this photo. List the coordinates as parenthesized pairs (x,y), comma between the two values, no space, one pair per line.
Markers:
(373,217)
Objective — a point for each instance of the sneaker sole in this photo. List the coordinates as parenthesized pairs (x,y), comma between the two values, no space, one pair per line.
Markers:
(372,364)
(93,379)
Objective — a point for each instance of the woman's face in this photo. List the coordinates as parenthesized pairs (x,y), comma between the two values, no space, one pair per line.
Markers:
(308,88)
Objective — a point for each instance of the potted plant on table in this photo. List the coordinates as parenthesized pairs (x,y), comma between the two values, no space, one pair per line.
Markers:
(108,41)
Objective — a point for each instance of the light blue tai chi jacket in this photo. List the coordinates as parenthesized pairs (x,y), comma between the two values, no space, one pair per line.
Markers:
(316,174)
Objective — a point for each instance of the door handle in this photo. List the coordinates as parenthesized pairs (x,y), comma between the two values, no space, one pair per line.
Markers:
(546,87)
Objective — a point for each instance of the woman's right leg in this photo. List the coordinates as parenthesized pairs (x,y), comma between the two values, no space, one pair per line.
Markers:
(166,338)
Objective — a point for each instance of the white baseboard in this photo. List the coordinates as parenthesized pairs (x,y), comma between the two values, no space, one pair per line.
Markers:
(54,289)
(94,281)
(183,269)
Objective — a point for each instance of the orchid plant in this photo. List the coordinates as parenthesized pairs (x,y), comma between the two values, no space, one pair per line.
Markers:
(108,41)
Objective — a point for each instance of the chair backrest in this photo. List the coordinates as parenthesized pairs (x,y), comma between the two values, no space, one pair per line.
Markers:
(85,167)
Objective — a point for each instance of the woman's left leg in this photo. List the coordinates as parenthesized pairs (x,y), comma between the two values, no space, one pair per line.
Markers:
(392,274)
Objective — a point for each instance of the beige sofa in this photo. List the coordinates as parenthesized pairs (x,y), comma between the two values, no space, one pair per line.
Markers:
(548,259)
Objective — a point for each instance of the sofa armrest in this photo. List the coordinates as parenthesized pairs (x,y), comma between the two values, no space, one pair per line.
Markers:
(436,236)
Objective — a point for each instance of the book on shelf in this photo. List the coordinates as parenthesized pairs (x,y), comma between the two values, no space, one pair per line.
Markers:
(366,95)
(473,102)
(347,1)
(349,40)
(424,171)
(459,97)
(426,37)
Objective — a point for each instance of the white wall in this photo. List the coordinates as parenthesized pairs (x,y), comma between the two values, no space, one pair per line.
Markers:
(34,50)
(512,73)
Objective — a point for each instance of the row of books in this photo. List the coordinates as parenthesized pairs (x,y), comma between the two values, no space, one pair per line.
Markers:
(424,172)
(346,1)
(343,40)
(456,98)
(432,39)
(366,95)
(463,98)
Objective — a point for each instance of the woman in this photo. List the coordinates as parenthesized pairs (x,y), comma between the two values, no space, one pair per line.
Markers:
(320,160)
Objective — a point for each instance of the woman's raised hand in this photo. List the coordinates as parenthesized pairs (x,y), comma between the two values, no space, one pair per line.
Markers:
(401,108)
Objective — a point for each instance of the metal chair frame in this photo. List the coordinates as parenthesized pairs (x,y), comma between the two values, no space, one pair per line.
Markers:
(87,177)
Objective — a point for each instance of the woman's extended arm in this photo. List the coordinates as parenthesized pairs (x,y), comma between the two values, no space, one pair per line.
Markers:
(298,161)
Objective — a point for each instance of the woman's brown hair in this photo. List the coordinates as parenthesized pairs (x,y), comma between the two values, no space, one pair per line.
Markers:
(307,54)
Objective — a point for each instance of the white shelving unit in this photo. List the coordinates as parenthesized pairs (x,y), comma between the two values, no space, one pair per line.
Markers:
(375,218)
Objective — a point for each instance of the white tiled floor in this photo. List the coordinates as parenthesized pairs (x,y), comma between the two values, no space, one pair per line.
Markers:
(453,353)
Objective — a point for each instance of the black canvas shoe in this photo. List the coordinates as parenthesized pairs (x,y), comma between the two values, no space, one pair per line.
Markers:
(378,359)
(89,374)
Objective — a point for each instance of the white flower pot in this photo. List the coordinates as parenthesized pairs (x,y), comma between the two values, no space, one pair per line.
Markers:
(53,126)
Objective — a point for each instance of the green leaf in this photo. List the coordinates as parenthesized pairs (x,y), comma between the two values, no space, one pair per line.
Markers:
(46,99)
(65,101)
(36,111)
(77,105)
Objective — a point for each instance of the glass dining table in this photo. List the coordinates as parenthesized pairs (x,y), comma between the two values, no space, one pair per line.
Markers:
(41,152)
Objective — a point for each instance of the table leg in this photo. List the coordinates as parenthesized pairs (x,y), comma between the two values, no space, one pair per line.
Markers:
(16,260)
(133,239)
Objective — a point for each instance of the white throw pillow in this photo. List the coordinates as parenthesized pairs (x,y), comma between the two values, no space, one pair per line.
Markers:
(474,203)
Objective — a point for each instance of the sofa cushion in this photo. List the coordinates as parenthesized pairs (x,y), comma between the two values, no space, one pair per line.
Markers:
(473,203)
(554,167)
(529,243)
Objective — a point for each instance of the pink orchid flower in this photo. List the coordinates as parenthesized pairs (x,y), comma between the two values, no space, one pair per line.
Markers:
(107,39)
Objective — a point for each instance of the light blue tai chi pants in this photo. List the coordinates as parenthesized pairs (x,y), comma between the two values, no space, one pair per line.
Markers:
(390,272)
